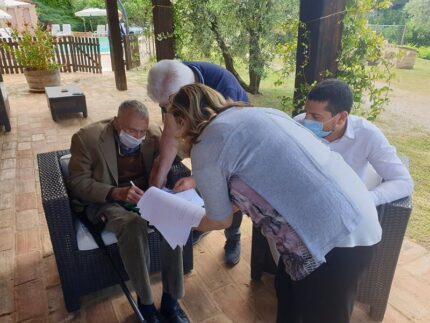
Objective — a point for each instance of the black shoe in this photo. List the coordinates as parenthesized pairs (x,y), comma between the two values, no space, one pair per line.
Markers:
(232,252)
(198,235)
(153,317)
(175,315)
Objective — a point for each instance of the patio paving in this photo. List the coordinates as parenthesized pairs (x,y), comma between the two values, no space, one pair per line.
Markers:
(29,284)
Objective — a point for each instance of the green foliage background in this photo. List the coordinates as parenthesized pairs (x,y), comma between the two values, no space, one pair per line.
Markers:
(361,60)
(412,13)
(250,30)
(59,12)
(272,24)
(63,12)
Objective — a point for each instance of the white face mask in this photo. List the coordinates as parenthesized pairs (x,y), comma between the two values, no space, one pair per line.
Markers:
(129,141)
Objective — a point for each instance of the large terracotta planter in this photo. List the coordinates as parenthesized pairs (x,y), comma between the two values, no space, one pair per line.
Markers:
(406,58)
(37,80)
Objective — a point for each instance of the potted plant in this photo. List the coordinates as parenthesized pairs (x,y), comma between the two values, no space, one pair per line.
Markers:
(35,52)
(406,57)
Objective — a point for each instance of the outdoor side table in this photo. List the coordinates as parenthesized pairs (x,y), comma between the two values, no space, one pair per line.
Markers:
(65,99)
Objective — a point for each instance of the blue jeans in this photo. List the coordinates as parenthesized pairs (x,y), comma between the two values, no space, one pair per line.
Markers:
(233,231)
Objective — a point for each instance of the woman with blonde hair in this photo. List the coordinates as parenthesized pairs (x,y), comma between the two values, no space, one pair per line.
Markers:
(302,195)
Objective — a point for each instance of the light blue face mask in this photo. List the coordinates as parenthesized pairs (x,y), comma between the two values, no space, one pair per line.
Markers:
(316,127)
(129,141)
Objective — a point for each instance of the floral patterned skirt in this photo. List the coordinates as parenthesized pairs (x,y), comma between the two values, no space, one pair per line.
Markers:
(298,261)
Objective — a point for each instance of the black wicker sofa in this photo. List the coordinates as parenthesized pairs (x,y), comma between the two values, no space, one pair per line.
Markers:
(85,271)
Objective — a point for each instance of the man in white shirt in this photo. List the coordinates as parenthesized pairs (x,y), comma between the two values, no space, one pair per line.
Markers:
(358,141)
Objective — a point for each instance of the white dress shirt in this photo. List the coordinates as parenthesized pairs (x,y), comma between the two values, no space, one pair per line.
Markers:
(363,143)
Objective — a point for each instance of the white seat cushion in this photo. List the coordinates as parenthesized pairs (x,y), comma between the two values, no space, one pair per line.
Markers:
(86,241)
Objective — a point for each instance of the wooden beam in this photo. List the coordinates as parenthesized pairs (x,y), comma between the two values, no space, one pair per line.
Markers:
(318,43)
(163,29)
(116,45)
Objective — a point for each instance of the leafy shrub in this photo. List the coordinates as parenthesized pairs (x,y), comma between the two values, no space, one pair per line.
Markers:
(424,52)
(35,51)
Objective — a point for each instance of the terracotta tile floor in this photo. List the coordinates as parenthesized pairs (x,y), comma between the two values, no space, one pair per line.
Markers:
(29,283)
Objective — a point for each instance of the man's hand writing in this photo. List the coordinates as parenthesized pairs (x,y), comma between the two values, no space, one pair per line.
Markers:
(130,194)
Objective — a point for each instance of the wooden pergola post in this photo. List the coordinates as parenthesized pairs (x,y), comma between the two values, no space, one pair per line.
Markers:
(163,29)
(318,43)
(116,46)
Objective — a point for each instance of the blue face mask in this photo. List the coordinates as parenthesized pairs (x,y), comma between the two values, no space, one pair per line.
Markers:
(316,127)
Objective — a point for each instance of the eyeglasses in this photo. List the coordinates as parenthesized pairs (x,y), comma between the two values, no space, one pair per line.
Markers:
(163,109)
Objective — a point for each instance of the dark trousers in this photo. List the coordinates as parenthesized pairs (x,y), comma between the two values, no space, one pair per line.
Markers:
(327,295)
(132,234)
(233,231)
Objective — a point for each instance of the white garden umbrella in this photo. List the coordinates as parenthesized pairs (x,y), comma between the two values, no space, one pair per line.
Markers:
(14,3)
(4,15)
(91,12)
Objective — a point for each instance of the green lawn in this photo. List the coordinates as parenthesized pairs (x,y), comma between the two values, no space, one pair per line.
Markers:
(270,94)
(415,143)
(416,146)
(416,80)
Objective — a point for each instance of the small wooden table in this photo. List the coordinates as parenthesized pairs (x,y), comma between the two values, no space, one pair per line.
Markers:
(66,99)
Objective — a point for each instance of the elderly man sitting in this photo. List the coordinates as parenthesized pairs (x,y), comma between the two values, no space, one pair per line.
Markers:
(107,157)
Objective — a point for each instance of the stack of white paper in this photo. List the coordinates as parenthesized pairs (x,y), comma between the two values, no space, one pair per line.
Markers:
(172,214)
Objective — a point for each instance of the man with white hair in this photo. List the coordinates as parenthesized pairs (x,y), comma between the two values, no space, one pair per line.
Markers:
(166,78)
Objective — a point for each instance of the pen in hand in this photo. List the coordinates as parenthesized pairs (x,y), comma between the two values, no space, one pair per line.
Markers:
(136,190)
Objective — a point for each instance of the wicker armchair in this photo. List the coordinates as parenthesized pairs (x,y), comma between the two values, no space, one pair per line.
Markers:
(4,107)
(86,271)
(374,287)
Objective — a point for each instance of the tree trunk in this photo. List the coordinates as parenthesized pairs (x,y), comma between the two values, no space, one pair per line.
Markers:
(162,14)
(255,62)
(318,44)
(228,59)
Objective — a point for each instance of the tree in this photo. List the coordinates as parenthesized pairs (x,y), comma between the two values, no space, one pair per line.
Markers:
(140,13)
(361,61)
(240,32)
(55,11)
(419,12)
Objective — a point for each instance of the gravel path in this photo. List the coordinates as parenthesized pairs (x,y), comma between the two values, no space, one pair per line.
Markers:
(406,111)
